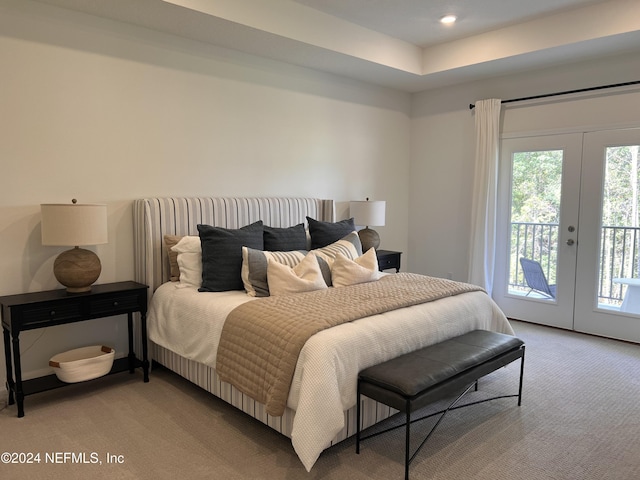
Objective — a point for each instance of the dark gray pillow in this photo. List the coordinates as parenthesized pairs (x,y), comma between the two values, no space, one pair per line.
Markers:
(222,255)
(285,239)
(325,233)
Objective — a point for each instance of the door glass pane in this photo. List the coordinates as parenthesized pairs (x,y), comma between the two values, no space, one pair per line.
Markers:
(618,283)
(536,188)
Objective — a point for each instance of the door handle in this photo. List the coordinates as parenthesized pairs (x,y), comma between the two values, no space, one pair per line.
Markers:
(570,241)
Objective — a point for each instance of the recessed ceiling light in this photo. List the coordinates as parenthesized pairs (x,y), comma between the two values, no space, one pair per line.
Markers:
(448,19)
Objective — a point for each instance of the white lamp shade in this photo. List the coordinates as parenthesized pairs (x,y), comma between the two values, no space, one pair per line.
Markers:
(368,213)
(74,224)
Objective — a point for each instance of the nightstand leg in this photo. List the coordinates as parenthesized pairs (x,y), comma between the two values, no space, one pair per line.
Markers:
(8,364)
(18,370)
(145,359)
(132,356)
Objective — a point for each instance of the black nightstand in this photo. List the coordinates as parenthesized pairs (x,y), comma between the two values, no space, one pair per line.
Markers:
(388,259)
(29,311)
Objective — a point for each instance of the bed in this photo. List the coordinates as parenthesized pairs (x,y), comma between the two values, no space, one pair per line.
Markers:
(185,326)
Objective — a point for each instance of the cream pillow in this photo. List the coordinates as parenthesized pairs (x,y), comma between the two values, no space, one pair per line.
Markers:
(189,260)
(254,262)
(169,242)
(363,269)
(349,246)
(254,268)
(304,277)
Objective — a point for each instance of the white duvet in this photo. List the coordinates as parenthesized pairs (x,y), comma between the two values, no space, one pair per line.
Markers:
(189,323)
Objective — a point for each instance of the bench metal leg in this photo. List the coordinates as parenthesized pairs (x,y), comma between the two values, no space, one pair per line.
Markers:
(407,460)
(452,406)
(521,377)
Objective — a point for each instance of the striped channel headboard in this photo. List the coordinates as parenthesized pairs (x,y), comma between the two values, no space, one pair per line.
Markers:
(155,217)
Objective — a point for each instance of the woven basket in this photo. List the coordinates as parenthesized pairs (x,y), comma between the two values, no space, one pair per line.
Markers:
(83,364)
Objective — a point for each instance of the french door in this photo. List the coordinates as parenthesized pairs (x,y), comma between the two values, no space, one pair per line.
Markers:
(539,201)
(568,246)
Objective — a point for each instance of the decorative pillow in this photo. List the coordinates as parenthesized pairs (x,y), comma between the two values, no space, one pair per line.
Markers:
(254,268)
(304,277)
(254,262)
(189,259)
(222,255)
(190,269)
(325,233)
(363,269)
(285,239)
(169,242)
(349,246)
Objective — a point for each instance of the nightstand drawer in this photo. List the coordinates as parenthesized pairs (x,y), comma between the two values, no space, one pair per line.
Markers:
(52,313)
(113,305)
(388,259)
(387,262)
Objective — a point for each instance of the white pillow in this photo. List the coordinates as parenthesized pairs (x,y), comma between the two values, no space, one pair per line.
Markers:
(304,277)
(349,246)
(254,262)
(363,269)
(254,268)
(189,260)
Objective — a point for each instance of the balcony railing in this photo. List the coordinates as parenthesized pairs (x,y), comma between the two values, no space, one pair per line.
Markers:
(619,250)
(618,259)
(536,241)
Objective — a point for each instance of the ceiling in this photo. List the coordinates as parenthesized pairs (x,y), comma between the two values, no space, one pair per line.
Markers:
(416,21)
(394,43)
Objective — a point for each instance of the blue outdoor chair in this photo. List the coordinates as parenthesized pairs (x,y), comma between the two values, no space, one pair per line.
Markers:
(535,278)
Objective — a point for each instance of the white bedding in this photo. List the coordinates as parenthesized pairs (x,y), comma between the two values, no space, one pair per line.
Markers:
(189,323)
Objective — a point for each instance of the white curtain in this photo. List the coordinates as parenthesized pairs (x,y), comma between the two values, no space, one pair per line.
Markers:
(485,190)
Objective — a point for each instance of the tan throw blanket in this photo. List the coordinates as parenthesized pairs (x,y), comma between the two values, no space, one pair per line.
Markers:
(261,339)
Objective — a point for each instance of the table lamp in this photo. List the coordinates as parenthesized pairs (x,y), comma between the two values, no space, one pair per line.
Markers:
(368,213)
(75,224)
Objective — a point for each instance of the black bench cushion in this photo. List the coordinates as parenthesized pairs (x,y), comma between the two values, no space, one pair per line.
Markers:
(417,371)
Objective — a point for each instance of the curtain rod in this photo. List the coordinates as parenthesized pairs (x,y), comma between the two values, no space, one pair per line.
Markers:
(615,85)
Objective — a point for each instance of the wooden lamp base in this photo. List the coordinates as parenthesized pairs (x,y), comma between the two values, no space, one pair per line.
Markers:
(77,269)
(369,238)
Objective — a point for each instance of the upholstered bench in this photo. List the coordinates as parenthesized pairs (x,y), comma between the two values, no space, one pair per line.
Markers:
(445,370)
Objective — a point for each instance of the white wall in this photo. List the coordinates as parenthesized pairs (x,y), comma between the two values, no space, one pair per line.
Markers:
(106,112)
(443,145)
